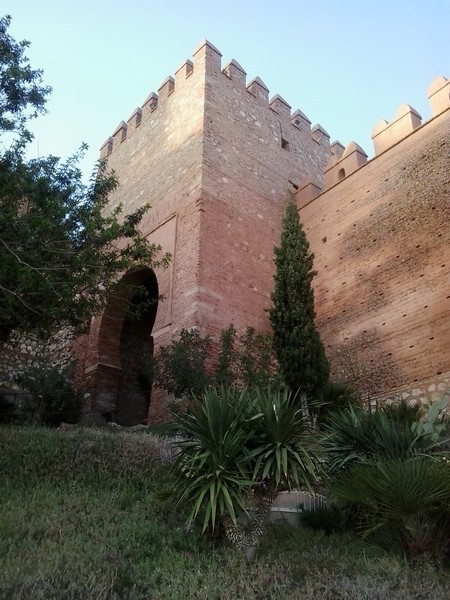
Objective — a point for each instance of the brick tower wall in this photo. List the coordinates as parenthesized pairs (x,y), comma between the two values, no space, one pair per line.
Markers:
(215,159)
(255,149)
(157,156)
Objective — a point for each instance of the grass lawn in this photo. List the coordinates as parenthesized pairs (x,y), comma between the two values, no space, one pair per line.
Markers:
(79,520)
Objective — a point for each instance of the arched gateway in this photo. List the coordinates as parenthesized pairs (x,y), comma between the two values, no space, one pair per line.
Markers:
(119,347)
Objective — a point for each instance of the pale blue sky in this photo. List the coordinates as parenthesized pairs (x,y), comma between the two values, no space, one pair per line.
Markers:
(345,64)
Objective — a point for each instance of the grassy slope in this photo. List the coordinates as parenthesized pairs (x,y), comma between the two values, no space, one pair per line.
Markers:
(79,520)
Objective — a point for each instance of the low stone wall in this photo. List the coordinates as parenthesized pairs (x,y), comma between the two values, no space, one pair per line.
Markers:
(424,392)
(22,351)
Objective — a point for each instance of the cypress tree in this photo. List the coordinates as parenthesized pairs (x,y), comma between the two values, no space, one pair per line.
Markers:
(297,343)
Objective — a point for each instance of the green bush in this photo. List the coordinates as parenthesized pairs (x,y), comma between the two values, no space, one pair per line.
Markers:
(403,413)
(52,397)
(7,409)
(246,361)
(187,366)
(357,436)
(180,367)
(333,397)
(402,505)
(331,518)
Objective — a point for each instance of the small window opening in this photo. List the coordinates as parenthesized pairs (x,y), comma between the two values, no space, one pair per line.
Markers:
(341,174)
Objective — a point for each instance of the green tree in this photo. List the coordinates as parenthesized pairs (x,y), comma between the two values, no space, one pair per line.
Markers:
(297,343)
(51,397)
(61,254)
(22,92)
(188,365)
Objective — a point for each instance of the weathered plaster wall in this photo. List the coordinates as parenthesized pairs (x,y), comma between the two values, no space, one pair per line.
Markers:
(381,244)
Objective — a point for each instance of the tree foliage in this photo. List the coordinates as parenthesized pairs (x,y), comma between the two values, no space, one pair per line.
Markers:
(51,397)
(61,253)
(246,360)
(22,92)
(180,367)
(187,366)
(297,343)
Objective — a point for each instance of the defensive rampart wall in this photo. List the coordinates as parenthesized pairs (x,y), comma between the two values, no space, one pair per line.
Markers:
(381,241)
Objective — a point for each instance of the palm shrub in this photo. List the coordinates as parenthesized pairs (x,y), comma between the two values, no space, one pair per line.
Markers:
(212,470)
(357,436)
(402,505)
(334,396)
(283,453)
(389,471)
(404,412)
(283,446)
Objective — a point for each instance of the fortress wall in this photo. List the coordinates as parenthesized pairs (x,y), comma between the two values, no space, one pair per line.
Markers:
(381,244)
(247,173)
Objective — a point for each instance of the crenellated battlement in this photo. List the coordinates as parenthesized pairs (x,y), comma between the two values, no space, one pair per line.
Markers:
(207,61)
(385,135)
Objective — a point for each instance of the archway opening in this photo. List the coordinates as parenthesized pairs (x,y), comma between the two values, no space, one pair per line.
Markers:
(120,381)
(136,348)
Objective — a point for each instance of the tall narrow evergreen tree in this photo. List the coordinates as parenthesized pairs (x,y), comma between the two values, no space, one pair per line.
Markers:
(297,343)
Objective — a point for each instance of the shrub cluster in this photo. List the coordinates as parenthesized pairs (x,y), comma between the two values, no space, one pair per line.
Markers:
(187,366)
(239,446)
(389,478)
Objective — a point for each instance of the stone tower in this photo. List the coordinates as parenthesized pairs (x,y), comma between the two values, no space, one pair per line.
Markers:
(215,158)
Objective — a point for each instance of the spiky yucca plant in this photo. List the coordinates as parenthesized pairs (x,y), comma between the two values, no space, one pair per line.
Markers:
(238,448)
(212,470)
(284,448)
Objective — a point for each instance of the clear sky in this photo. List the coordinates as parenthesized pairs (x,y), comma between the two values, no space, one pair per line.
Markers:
(345,64)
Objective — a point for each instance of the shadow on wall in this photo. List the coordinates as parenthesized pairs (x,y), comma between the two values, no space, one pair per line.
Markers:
(123,387)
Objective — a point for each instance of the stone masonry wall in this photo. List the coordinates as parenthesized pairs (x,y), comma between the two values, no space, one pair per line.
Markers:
(24,350)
